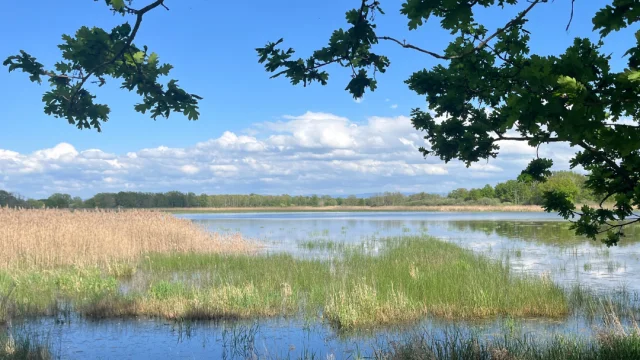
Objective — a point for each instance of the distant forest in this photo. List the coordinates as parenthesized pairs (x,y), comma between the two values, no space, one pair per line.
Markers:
(509,192)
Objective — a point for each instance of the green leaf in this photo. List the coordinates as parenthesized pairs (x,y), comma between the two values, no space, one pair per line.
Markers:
(139,57)
(153,58)
(569,83)
(117,4)
(633,75)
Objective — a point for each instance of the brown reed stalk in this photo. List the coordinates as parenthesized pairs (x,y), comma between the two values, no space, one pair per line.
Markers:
(45,238)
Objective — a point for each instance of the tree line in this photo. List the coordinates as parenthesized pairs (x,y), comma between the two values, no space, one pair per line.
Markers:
(509,192)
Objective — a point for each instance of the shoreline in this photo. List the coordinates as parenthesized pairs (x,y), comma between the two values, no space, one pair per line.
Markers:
(443,208)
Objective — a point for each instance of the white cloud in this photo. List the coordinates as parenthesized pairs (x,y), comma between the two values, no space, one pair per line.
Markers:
(231,141)
(224,171)
(62,151)
(485,167)
(96,154)
(394,106)
(189,169)
(8,155)
(309,153)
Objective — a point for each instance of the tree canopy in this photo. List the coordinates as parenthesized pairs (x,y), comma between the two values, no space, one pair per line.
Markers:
(93,55)
(489,87)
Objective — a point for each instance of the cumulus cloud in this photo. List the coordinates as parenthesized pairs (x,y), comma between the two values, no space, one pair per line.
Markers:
(299,154)
(189,169)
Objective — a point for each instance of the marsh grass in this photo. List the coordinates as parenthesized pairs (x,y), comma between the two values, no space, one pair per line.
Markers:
(413,277)
(612,340)
(456,345)
(322,245)
(43,239)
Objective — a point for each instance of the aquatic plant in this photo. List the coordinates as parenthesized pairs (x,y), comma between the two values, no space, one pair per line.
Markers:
(412,277)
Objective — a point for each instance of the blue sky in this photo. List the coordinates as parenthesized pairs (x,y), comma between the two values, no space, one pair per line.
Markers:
(211,45)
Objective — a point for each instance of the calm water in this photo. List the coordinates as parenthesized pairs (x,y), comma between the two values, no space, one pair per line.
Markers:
(530,242)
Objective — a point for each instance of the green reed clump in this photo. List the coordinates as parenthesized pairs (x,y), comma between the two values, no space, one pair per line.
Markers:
(411,278)
(415,277)
(423,276)
(45,292)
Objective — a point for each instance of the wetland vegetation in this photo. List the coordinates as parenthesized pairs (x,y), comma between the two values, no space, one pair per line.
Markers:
(172,269)
(146,264)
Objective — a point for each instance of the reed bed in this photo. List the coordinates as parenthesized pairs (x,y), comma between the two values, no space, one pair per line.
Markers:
(47,238)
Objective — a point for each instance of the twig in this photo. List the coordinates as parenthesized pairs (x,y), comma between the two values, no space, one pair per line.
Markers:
(313,67)
(481,45)
(619,226)
(529,138)
(606,197)
(570,18)
(602,156)
(409,46)
(139,14)
(623,125)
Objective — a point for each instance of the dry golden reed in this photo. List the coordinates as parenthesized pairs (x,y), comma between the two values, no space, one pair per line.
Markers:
(45,238)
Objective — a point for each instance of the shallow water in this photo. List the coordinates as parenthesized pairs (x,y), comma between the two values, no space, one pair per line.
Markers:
(267,339)
(534,243)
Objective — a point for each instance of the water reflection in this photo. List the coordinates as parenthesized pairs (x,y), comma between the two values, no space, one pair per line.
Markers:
(537,243)
(268,339)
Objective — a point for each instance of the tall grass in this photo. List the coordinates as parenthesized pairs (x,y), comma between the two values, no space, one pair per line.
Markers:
(413,278)
(38,239)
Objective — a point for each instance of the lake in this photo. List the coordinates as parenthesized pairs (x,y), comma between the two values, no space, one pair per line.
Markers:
(532,243)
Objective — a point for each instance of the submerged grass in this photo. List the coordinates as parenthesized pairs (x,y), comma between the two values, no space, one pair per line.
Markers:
(24,348)
(412,278)
(459,346)
(322,245)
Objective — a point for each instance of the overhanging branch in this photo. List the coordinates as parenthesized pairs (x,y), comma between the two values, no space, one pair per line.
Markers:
(480,46)
(139,14)
(529,138)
